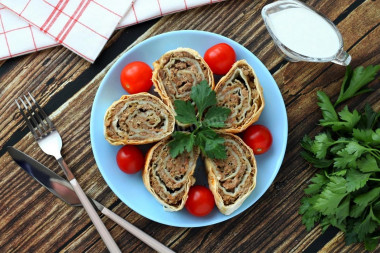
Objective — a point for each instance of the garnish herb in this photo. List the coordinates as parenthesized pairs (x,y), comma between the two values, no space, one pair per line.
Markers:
(208,116)
(346,192)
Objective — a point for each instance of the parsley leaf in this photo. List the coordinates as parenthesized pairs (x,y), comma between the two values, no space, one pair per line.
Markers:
(346,192)
(363,228)
(181,141)
(185,112)
(318,163)
(367,197)
(318,181)
(328,110)
(308,155)
(369,118)
(355,81)
(309,215)
(210,143)
(370,243)
(216,116)
(355,149)
(331,196)
(356,180)
(203,96)
(364,135)
(322,142)
(368,164)
(343,210)
(348,120)
(357,210)
(344,159)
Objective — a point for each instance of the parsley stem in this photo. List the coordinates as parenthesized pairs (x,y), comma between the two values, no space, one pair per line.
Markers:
(374,179)
(374,154)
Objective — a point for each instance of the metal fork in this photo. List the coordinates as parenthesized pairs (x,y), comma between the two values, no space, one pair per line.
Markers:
(50,142)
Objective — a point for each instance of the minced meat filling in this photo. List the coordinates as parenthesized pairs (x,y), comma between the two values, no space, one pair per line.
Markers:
(138,121)
(180,72)
(167,173)
(227,167)
(234,94)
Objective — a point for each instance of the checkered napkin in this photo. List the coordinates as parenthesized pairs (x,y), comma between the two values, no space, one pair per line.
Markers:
(83,26)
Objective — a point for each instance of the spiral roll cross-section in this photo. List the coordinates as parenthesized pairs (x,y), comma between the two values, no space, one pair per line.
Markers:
(138,119)
(169,179)
(240,91)
(232,180)
(176,72)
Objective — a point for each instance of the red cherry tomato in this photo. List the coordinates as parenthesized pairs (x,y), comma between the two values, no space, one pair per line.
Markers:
(136,77)
(258,138)
(130,159)
(220,58)
(200,201)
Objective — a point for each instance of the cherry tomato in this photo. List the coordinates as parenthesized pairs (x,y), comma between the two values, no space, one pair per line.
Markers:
(136,77)
(200,201)
(220,58)
(130,159)
(258,138)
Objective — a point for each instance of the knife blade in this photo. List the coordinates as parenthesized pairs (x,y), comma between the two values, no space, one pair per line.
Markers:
(61,188)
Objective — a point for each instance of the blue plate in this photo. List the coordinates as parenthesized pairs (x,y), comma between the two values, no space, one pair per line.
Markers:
(130,188)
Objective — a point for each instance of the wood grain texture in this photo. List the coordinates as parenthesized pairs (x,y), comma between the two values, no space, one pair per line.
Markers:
(33,220)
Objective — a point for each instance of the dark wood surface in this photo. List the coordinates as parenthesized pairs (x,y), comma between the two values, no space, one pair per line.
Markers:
(33,220)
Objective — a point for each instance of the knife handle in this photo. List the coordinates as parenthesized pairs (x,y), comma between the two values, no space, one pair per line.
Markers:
(104,233)
(150,241)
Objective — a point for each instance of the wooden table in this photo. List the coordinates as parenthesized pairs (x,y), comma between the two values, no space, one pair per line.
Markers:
(33,220)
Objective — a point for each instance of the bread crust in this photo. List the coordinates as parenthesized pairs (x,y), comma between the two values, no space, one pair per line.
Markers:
(256,86)
(125,140)
(214,183)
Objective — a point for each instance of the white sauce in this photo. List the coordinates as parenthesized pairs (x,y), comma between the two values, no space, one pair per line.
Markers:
(305,32)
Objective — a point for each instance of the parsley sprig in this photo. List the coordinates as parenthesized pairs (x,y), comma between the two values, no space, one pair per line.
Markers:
(346,192)
(207,117)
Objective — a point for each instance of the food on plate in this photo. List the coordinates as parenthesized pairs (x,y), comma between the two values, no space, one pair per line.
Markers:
(177,71)
(240,91)
(169,179)
(220,58)
(258,138)
(130,159)
(138,119)
(136,77)
(232,180)
(200,202)
(202,136)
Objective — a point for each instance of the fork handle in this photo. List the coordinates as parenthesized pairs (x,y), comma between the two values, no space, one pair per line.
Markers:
(99,225)
(153,243)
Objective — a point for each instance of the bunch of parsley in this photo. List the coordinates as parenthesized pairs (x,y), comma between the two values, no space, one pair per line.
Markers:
(345,193)
(209,142)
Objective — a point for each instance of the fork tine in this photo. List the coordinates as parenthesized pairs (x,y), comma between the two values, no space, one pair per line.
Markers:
(44,126)
(51,125)
(31,128)
(32,119)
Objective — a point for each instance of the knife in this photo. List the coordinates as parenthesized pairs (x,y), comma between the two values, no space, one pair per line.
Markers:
(61,188)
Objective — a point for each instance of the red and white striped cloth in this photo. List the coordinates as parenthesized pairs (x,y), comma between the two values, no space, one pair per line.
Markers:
(83,26)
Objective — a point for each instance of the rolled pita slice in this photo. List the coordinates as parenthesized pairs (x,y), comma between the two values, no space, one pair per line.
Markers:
(176,72)
(169,179)
(232,180)
(138,119)
(240,91)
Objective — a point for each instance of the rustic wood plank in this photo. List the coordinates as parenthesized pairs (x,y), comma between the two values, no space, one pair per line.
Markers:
(337,245)
(271,225)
